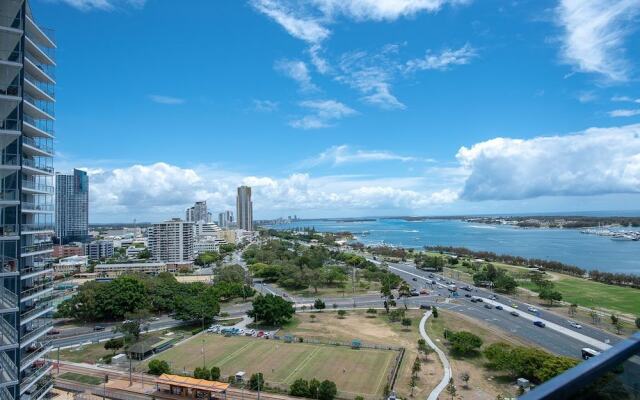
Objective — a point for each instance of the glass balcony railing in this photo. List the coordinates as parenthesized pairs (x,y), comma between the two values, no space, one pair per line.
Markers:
(49,51)
(42,105)
(8,332)
(9,124)
(39,350)
(8,195)
(8,230)
(33,373)
(38,165)
(8,366)
(37,227)
(44,125)
(34,310)
(35,288)
(11,160)
(49,70)
(48,88)
(10,90)
(44,144)
(37,186)
(43,386)
(37,247)
(36,207)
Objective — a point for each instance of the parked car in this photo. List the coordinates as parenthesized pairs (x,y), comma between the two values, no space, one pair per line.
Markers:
(498,307)
(430,275)
(532,309)
(424,291)
(514,313)
(539,323)
(250,332)
(479,299)
(425,307)
(260,334)
(467,295)
(488,306)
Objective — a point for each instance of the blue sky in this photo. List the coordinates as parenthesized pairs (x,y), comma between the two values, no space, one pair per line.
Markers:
(351,107)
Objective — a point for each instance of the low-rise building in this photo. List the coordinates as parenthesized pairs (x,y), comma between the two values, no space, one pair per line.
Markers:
(133,251)
(115,270)
(68,250)
(100,249)
(71,265)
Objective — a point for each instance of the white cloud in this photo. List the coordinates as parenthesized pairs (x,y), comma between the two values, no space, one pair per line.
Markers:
(265,105)
(443,60)
(624,112)
(298,71)
(343,154)
(586,96)
(596,161)
(318,60)
(299,26)
(168,100)
(625,99)
(104,5)
(595,33)
(378,10)
(324,113)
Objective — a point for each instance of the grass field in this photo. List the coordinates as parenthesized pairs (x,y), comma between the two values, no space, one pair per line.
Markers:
(72,376)
(361,371)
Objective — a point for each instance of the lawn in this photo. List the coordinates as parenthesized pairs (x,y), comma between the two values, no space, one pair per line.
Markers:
(355,372)
(362,287)
(72,376)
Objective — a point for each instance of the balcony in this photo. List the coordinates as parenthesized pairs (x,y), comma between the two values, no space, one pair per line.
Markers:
(8,265)
(35,374)
(40,71)
(31,272)
(8,335)
(615,374)
(10,124)
(9,230)
(29,185)
(39,147)
(37,248)
(36,166)
(14,22)
(40,34)
(36,208)
(11,90)
(28,229)
(8,370)
(37,108)
(37,351)
(38,88)
(35,333)
(37,127)
(8,299)
(42,388)
(45,55)
(30,313)
(8,195)
(5,394)
(9,160)
(35,289)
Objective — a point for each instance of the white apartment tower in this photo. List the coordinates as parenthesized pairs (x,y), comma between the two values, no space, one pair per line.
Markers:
(198,213)
(244,208)
(27,100)
(225,219)
(172,241)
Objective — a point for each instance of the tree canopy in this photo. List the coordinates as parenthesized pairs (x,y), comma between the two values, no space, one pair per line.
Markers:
(272,310)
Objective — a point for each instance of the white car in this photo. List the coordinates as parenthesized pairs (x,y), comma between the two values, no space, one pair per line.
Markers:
(250,332)
(575,325)
(532,309)
(240,331)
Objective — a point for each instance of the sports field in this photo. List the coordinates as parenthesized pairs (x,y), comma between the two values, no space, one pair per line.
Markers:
(357,372)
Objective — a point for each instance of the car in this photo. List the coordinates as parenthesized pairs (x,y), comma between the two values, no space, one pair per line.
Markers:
(514,313)
(250,332)
(532,309)
(414,279)
(260,334)
(240,332)
(498,307)
(494,297)
(433,282)
(575,325)
(539,324)
(467,288)
(425,307)
(514,305)
(424,291)
(98,328)
(53,332)
(474,300)
(488,306)
(267,335)
(284,294)
(467,295)
(414,293)
(479,299)
(430,275)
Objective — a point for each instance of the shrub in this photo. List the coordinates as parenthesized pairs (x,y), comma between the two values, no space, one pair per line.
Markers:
(201,373)
(256,382)
(215,373)
(299,388)
(463,342)
(158,367)
(327,390)
(319,304)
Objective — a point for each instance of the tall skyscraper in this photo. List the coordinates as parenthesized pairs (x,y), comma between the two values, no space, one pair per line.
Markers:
(244,208)
(26,201)
(225,219)
(72,207)
(172,241)
(198,213)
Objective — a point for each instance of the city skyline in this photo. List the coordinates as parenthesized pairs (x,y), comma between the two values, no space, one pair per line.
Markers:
(357,108)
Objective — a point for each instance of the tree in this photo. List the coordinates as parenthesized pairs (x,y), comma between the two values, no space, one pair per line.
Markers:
(201,373)
(341,314)
(573,309)
(231,274)
(114,344)
(158,367)
(200,304)
(406,322)
(464,343)
(372,312)
(215,373)
(434,312)
(464,377)
(319,304)
(313,317)
(451,389)
(423,348)
(256,382)
(227,248)
(299,388)
(554,366)
(404,291)
(314,387)
(617,324)
(207,258)
(550,295)
(327,390)
(272,310)
(416,367)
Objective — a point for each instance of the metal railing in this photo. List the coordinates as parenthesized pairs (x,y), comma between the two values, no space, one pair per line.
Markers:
(8,366)
(40,351)
(44,144)
(48,88)
(42,105)
(35,332)
(43,385)
(36,287)
(8,331)
(33,310)
(45,125)
(8,297)
(36,207)
(8,230)
(584,375)
(37,247)
(29,162)
(29,184)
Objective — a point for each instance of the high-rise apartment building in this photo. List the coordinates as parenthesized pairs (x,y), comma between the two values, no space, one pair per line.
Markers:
(72,206)
(172,241)
(26,201)
(225,219)
(244,208)
(198,213)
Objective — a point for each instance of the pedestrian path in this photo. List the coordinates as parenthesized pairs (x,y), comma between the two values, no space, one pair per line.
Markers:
(443,359)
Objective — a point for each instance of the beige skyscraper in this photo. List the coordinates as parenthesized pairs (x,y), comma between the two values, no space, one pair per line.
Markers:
(244,208)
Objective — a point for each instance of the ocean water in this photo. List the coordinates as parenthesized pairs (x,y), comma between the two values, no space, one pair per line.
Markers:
(565,245)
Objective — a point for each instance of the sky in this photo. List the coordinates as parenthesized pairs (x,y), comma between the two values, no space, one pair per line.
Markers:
(348,108)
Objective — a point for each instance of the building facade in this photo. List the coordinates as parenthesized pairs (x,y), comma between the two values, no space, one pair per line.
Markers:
(172,241)
(198,213)
(68,250)
(225,219)
(72,207)
(27,114)
(100,250)
(244,208)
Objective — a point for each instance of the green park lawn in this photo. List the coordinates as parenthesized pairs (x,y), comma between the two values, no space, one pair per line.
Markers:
(72,376)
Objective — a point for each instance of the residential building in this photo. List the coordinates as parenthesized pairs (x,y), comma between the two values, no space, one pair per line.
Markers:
(201,229)
(198,213)
(26,200)
(72,207)
(134,251)
(68,250)
(70,265)
(172,241)
(225,219)
(244,208)
(115,270)
(100,250)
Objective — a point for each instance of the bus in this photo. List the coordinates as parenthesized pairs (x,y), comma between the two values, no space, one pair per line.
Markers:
(587,353)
